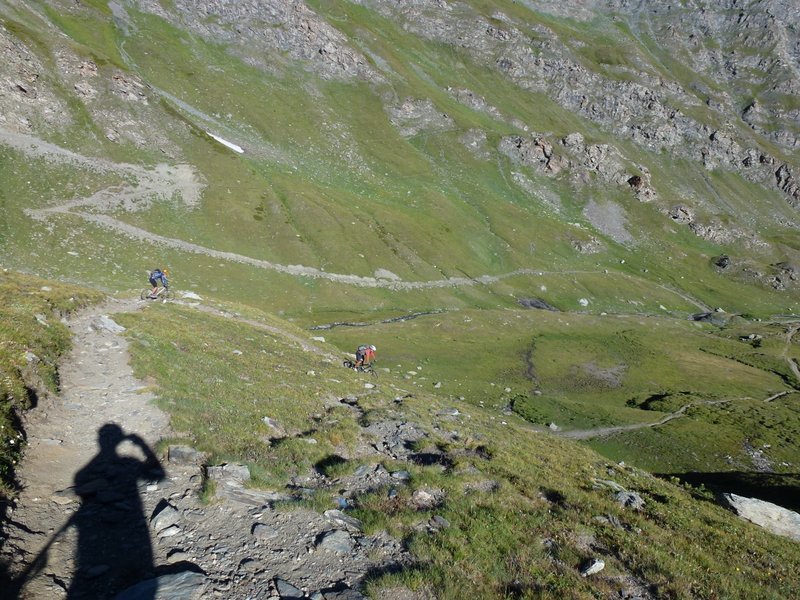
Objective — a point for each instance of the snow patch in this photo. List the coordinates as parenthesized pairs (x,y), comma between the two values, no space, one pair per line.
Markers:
(226,143)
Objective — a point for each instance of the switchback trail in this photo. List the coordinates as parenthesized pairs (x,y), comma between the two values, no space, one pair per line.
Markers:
(585,434)
(181,181)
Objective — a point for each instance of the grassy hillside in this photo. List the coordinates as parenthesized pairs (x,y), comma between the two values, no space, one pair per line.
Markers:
(524,509)
(413,176)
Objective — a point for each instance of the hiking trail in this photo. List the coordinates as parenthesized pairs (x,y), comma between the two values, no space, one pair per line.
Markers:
(100,511)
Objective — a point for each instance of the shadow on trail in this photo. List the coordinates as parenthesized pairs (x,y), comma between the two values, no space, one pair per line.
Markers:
(782,489)
(113,540)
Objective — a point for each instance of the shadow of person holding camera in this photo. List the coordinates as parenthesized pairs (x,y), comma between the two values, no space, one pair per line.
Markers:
(113,550)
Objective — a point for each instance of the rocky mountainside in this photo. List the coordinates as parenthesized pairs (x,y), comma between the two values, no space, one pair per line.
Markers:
(572,219)
(708,87)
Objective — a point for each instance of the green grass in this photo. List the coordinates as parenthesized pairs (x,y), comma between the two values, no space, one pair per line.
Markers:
(525,535)
(328,182)
(32,340)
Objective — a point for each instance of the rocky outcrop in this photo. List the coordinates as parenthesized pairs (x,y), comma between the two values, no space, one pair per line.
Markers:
(257,30)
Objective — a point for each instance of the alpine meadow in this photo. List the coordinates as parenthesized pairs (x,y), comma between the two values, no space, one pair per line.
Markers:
(570,229)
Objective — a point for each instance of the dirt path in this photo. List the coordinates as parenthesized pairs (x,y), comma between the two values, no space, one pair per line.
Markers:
(181,181)
(100,512)
(98,389)
(790,333)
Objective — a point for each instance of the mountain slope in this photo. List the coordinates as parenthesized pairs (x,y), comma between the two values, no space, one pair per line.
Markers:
(532,201)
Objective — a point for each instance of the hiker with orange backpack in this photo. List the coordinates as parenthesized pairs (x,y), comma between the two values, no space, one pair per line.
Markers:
(365,354)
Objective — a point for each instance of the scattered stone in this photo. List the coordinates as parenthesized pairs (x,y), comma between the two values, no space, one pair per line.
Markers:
(287,590)
(65,496)
(438,522)
(715,318)
(230,471)
(176,586)
(553,427)
(427,498)
(164,516)
(350,524)
(723,262)
(337,540)
(606,483)
(170,531)
(682,214)
(185,455)
(262,531)
(595,565)
(780,521)
(401,475)
(537,303)
(177,556)
(106,323)
(448,412)
(629,500)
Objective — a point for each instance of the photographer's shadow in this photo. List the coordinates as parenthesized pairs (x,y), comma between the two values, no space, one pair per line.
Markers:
(114,550)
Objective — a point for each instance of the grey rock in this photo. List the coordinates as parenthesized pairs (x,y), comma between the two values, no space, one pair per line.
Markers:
(288,591)
(170,531)
(536,303)
(177,556)
(592,567)
(350,524)
(106,323)
(427,498)
(277,431)
(186,585)
(720,320)
(448,412)
(780,521)
(232,471)
(264,532)
(607,483)
(185,455)
(629,500)
(166,516)
(401,475)
(337,540)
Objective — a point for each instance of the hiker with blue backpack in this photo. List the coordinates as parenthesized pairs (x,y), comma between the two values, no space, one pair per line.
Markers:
(156,276)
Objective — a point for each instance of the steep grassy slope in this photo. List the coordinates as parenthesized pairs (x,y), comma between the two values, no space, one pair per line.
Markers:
(523,510)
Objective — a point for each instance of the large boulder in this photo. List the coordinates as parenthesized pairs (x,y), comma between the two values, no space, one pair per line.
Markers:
(774,518)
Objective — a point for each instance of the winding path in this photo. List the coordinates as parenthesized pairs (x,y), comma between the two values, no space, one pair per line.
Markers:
(181,181)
